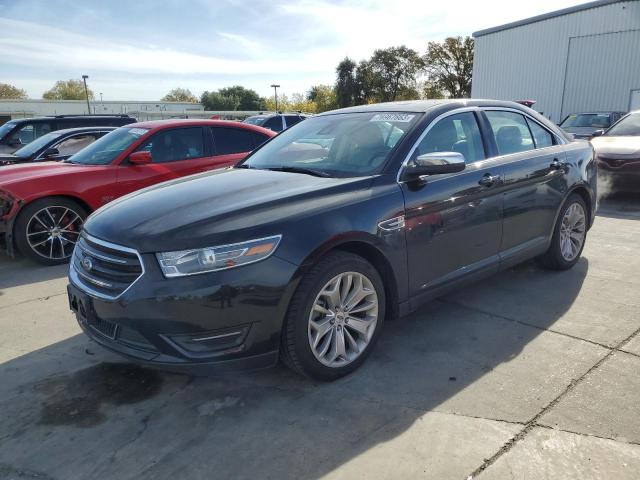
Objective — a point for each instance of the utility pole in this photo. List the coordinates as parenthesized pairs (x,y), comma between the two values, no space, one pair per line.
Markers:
(275,90)
(86,92)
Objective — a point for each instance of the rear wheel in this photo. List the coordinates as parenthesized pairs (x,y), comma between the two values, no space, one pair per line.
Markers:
(334,318)
(568,236)
(48,229)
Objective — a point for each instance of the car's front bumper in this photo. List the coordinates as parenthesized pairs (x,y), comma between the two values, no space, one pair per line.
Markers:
(219,321)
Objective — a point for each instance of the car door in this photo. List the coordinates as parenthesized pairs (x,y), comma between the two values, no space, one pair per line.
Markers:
(453,222)
(534,182)
(175,153)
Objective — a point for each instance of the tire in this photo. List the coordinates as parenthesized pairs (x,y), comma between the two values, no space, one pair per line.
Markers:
(59,218)
(296,350)
(554,258)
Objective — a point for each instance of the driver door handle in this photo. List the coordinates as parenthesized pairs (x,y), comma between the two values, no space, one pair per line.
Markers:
(557,165)
(489,180)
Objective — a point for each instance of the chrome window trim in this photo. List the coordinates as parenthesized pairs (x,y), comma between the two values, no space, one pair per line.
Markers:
(561,141)
(73,273)
(426,130)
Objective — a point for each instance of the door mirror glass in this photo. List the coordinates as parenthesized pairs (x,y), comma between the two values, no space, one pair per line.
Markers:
(435,163)
(51,152)
(140,158)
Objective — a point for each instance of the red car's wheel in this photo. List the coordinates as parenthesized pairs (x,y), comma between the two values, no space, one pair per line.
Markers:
(48,229)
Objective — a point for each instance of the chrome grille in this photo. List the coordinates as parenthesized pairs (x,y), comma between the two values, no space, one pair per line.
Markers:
(103,268)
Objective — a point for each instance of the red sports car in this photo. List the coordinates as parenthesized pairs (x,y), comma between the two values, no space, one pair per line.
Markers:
(43,205)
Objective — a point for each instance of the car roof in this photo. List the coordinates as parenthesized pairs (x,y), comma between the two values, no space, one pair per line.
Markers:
(603,112)
(422,106)
(94,128)
(184,122)
(65,117)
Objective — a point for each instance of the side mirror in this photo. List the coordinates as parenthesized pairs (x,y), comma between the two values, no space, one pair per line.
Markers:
(51,152)
(597,133)
(140,158)
(435,163)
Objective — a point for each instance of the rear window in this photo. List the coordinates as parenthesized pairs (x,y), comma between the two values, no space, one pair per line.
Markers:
(591,120)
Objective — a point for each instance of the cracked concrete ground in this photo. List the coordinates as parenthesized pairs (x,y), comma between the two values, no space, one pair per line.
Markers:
(529,374)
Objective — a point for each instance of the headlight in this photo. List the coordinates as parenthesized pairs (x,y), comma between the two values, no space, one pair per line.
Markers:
(211,259)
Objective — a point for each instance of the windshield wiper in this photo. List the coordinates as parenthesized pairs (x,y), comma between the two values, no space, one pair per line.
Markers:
(306,171)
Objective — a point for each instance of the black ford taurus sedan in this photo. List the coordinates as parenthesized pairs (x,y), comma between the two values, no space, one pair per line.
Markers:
(349,218)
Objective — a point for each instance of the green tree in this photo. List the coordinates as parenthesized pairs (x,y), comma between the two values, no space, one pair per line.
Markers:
(430,91)
(67,90)
(449,65)
(392,74)
(233,98)
(9,92)
(324,96)
(180,95)
(347,91)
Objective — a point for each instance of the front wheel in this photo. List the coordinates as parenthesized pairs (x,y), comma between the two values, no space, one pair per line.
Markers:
(47,230)
(569,236)
(334,317)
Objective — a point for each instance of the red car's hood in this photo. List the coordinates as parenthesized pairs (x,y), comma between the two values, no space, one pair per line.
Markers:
(13,174)
(614,147)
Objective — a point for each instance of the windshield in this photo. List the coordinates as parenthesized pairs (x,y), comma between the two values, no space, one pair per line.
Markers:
(627,126)
(6,128)
(593,120)
(340,145)
(255,120)
(31,148)
(105,150)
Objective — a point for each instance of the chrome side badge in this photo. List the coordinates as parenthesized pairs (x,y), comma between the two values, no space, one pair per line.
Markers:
(395,223)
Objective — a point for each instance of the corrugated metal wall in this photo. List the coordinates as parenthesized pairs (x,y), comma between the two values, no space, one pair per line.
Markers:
(564,63)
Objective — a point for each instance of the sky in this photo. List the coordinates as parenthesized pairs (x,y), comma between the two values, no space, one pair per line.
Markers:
(141,49)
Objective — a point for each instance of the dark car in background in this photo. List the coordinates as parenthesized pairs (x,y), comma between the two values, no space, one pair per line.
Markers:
(618,154)
(55,146)
(14,134)
(276,121)
(584,125)
(303,250)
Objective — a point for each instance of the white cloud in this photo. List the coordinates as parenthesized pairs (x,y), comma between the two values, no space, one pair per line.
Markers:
(297,45)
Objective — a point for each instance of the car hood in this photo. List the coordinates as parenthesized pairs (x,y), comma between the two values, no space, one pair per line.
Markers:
(617,147)
(219,207)
(22,172)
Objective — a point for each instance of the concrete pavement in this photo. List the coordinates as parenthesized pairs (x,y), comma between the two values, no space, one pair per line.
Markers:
(530,374)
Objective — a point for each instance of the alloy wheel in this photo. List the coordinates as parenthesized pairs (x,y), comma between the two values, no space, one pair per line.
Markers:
(343,319)
(572,231)
(53,231)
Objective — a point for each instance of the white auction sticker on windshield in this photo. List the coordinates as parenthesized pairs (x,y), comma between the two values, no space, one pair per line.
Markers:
(392,117)
(138,131)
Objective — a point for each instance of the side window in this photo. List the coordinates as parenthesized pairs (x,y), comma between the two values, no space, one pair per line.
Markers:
(177,144)
(541,137)
(232,140)
(258,139)
(455,133)
(72,145)
(510,131)
(31,131)
(291,120)
(274,123)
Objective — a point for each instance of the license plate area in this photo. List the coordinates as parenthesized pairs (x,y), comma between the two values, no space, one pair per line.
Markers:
(82,306)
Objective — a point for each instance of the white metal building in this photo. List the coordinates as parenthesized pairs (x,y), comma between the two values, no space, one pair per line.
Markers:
(33,108)
(579,59)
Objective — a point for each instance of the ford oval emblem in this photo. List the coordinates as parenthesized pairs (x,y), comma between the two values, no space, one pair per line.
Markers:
(87,264)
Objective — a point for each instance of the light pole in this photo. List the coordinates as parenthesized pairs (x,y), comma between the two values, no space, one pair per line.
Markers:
(86,92)
(275,90)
